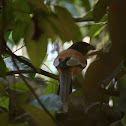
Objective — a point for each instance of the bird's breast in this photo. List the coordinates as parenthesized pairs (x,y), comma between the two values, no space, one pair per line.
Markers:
(70,61)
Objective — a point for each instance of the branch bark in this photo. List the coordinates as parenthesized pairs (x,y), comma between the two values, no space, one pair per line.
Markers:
(31,71)
(31,89)
(2,41)
(34,70)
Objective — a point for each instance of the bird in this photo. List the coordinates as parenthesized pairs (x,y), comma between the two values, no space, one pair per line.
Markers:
(70,62)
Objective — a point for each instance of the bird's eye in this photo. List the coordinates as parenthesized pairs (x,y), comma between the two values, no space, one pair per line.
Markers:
(57,62)
(67,58)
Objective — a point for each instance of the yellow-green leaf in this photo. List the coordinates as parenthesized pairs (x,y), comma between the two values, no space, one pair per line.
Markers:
(68,27)
(100,9)
(51,89)
(21,10)
(36,49)
(47,27)
(2,67)
(39,116)
(38,4)
(18,32)
(4,102)
(19,87)
(2,90)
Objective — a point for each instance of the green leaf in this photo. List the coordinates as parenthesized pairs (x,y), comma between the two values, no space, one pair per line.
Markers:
(4,119)
(4,102)
(6,35)
(57,26)
(36,49)
(21,10)
(18,31)
(51,101)
(2,90)
(19,124)
(22,100)
(51,89)
(95,30)
(70,6)
(68,30)
(38,4)
(104,19)
(88,16)
(2,67)
(100,9)
(86,4)
(19,87)
(10,41)
(21,65)
(47,27)
(39,116)
(9,16)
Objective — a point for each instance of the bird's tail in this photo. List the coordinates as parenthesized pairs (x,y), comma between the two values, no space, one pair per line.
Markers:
(65,86)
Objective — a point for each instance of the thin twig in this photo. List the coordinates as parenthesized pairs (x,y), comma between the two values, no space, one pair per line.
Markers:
(19,48)
(22,60)
(31,71)
(47,67)
(82,19)
(97,52)
(34,69)
(31,89)
(45,73)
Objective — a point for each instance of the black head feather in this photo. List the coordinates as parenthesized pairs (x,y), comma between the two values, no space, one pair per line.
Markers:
(82,47)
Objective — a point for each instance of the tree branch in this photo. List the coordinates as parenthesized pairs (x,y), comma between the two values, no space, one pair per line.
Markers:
(82,19)
(40,71)
(2,41)
(31,89)
(31,71)
(19,48)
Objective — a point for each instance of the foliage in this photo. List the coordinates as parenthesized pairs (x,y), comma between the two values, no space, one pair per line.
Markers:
(30,26)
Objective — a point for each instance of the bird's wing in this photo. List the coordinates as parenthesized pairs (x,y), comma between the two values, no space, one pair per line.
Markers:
(75,62)
(68,62)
